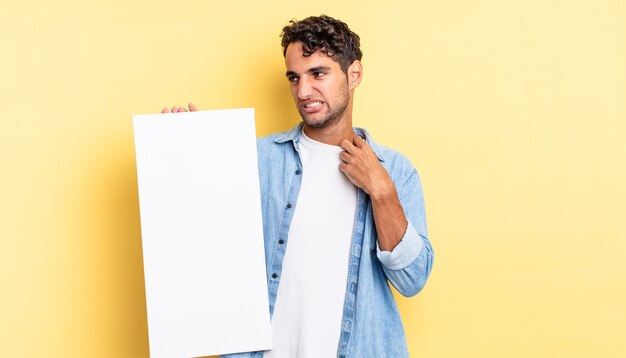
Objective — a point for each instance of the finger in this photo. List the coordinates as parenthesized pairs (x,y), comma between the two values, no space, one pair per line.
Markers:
(347,146)
(192,107)
(345,157)
(345,168)
(359,142)
(165,110)
(174,109)
(182,109)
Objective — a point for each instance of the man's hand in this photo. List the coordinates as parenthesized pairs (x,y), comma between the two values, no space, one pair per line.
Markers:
(361,166)
(192,108)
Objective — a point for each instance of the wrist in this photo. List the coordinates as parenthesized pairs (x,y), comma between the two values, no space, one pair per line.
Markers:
(384,194)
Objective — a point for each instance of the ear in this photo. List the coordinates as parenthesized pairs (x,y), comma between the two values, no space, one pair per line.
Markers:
(355,74)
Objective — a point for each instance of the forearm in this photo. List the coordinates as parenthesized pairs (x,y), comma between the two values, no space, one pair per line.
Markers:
(408,264)
(391,223)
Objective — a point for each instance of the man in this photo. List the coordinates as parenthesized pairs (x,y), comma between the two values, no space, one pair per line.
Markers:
(342,215)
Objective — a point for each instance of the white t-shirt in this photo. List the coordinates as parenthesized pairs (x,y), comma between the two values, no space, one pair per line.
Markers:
(309,304)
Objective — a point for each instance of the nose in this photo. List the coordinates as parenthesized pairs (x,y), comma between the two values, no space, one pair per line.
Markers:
(304,89)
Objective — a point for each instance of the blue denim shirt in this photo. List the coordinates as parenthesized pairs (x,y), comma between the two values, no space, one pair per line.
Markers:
(371,325)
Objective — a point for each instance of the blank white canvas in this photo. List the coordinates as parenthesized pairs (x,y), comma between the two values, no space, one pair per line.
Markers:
(202,233)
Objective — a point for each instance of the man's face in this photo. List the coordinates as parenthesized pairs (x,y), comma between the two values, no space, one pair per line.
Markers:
(318,85)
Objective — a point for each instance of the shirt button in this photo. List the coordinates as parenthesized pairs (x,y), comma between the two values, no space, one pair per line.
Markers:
(274,275)
(288,206)
(298,172)
(281,241)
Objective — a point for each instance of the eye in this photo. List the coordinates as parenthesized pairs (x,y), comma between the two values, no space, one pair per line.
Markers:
(318,74)
(293,79)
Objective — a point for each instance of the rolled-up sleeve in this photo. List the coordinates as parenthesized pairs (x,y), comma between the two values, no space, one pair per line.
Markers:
(404,253)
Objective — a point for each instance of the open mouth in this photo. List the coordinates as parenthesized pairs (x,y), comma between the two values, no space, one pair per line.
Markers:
(311,107)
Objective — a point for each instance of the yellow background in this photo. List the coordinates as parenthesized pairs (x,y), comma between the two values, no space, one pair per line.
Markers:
(513,111)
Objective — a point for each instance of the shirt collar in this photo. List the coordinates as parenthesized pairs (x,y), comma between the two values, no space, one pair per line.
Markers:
(294,135)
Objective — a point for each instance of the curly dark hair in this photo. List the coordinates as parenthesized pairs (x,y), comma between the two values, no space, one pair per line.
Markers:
(325,34)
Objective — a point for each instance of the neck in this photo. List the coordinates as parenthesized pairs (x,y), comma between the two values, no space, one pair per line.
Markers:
(332,135)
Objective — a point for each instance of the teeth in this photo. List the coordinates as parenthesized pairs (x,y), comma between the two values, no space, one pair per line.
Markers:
(313,104)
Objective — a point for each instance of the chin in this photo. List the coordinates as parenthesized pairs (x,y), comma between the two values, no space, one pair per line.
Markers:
(315,122)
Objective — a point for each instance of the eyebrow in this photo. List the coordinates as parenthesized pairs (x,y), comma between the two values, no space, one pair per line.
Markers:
(318,69)
(310,70)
